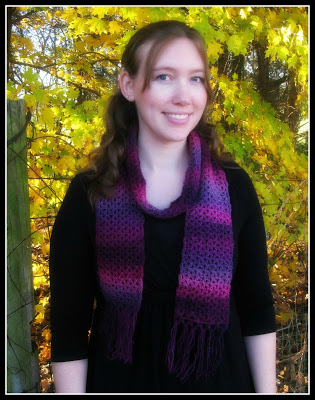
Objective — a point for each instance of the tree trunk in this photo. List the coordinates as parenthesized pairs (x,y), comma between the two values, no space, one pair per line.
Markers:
(292,112)
(263,70)
(22,357)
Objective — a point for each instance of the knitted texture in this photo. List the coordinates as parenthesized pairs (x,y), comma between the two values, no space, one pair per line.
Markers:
(202,297)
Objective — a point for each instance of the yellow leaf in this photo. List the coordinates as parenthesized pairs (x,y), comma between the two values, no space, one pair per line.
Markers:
(45,249)
(100,12)
(27,43)
(81,46)
(257,23)
(46,334)
(217,115)
(66,162)
(130,13)
(30,101)
(83,11)
(82,163)
(44,354)
(40,311)
(214,49)
(273,146)
(47,116)
(97,25)
(69,14)
(143,16)
(79,25)
(230,12)
(114,27)
(272,17)
(303,73)
(273,37)
(39,281)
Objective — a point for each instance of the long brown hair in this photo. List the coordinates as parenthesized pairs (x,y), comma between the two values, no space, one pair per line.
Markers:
(121,114)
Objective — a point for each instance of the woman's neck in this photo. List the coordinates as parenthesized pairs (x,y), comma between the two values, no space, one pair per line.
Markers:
(164,166)
(156,156)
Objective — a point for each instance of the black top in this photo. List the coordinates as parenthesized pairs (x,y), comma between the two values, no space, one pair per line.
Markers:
(74,285)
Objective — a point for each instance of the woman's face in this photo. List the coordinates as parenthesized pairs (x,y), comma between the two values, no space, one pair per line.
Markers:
(173,104)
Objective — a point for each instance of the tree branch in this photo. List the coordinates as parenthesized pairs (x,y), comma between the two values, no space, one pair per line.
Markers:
(43,68)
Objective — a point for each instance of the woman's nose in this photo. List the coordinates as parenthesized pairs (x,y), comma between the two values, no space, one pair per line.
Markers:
(181,94)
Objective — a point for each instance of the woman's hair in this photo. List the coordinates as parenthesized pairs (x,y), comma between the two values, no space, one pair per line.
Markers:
(120,114)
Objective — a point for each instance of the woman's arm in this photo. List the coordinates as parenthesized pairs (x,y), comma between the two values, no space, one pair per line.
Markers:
(261,354)
(70,376)
(251,284)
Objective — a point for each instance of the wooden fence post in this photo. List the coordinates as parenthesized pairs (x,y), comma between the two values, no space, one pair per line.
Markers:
(22,355)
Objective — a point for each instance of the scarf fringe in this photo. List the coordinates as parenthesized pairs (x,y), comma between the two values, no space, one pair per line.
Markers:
(194,350)
(119,326)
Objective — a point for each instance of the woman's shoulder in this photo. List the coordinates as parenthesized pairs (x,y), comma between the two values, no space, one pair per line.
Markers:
(78,190)
(82,180)
(235,174)
(241,186)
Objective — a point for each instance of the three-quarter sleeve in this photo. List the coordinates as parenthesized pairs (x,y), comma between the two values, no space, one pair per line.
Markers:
(72,275)
(252,287)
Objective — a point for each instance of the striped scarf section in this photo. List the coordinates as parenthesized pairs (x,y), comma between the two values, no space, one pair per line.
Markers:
(202,297)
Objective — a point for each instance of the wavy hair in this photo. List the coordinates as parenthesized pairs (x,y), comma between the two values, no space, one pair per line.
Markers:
(120,114)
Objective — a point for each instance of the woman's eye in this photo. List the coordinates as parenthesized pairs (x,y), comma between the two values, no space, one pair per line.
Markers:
(198,79)
(162,77)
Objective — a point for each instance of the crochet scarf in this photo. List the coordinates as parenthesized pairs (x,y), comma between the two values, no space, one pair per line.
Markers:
(202,297)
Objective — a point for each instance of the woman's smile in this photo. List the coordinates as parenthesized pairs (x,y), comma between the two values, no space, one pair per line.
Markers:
(177,118)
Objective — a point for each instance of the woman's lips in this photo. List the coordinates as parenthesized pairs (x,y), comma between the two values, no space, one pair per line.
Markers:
(177,118)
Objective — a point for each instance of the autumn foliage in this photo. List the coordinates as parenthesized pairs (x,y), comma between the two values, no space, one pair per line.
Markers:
(64,61)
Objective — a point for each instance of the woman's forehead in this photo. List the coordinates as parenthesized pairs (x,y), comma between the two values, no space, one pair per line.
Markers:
(167,50)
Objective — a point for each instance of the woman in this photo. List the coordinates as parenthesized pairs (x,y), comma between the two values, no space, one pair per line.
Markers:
(166,233)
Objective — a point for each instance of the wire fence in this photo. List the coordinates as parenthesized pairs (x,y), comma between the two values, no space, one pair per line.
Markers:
(292,355)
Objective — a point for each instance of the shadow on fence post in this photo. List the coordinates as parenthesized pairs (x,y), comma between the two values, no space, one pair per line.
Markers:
(22,354)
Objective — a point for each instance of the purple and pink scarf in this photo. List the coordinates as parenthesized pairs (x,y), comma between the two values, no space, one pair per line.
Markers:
(202,297)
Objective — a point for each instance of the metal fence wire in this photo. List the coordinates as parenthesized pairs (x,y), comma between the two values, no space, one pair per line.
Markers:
(292,355)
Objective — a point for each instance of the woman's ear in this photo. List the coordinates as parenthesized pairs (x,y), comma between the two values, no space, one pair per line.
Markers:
(126,85)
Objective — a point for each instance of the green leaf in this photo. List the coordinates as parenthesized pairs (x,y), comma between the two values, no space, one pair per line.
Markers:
(38,237)
(30,77)
(72,93)
(257,23)
(235,44)
(283,53)
(230,119)
(292,61)
(238,43)
(303,73)
(46,150)
(40,95)
(48,171)
(88,105)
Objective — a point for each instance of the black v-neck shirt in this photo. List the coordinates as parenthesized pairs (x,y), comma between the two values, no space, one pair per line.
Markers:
(74,286)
